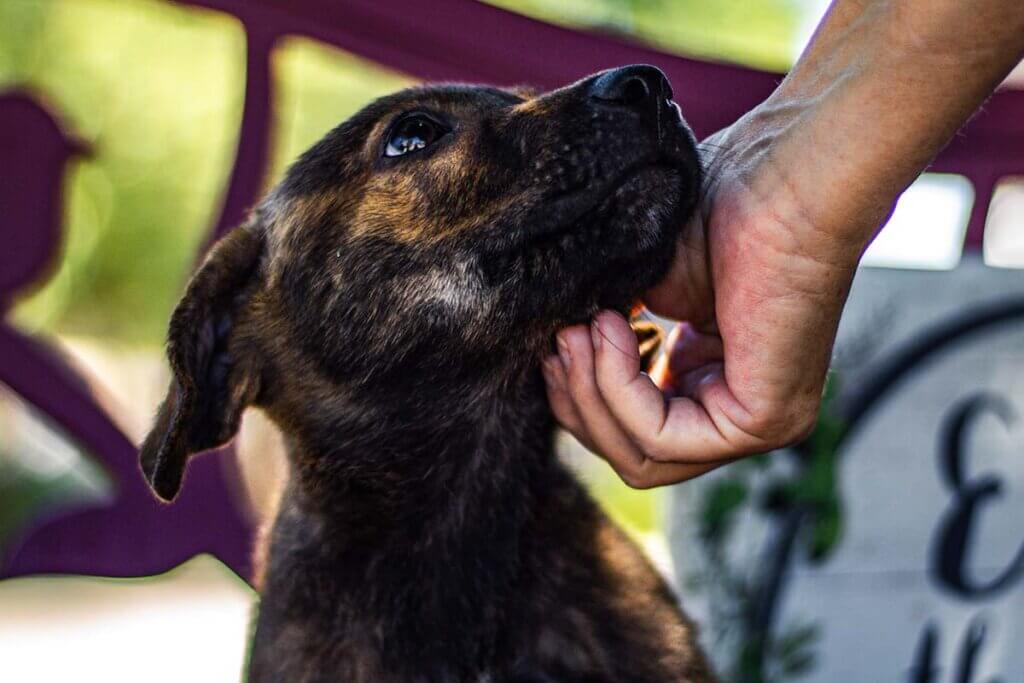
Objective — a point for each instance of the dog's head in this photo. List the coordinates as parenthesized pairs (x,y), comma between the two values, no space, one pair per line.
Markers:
(442,231)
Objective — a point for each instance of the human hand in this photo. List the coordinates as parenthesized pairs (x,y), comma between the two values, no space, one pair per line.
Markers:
(761,293)
(795,190)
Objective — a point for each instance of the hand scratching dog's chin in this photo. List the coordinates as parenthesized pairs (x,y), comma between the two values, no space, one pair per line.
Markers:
(387,306)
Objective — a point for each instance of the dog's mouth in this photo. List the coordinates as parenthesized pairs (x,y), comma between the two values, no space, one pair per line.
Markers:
(597,248)
(585,206)
(674,170)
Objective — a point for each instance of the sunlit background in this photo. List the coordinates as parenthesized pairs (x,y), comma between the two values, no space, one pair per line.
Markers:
(156,90)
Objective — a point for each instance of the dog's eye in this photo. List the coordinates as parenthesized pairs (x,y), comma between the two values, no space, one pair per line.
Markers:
(411,134)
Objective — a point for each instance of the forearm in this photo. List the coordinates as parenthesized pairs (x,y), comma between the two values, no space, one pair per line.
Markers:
(879,91)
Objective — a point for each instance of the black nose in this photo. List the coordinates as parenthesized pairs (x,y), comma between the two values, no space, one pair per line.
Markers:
(638,86)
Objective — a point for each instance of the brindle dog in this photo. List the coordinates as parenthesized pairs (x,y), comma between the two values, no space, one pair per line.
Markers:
(388,306)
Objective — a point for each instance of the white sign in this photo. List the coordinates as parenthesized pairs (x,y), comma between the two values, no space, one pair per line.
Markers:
(926,584)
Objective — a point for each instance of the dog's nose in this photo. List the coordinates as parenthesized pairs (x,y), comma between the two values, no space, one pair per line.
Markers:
(637,86)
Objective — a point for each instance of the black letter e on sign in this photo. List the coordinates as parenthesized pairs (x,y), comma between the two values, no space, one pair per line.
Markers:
(949,561)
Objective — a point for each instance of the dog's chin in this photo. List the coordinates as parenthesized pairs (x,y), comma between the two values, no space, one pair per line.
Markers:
(632,205)
(650,209)
(619,247)
(647,210)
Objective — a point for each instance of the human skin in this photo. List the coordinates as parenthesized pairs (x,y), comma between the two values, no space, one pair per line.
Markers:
(795,191)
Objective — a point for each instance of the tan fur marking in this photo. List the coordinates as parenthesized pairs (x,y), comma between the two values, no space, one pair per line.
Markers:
(538,106)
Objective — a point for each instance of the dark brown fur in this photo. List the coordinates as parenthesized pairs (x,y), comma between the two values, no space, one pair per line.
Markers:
(389,314)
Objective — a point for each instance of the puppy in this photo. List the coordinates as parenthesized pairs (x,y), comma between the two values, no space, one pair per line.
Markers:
(388,306)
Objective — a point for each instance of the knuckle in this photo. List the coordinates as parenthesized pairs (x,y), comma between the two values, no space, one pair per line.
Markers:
(628,475)
(783,423)
(562,410)
(579,432)
(635,478)
(656,450)
(581,385)
(802,425)
(580,391)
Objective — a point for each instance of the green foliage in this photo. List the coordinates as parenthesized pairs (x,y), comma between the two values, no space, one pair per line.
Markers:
(156,90)
(795,651)
(720,505)
(38,474)
(815,488)
(738,591)
(791,655)
(317,88)
(760,33)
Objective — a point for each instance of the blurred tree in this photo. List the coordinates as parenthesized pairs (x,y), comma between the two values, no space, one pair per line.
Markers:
(40,472)
(760,33)
(156,89)
(318,87)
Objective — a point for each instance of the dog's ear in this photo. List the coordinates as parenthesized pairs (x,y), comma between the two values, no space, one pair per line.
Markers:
(209,388)
(650,337)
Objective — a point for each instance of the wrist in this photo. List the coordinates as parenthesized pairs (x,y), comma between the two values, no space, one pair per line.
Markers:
(817,181)
(880,90)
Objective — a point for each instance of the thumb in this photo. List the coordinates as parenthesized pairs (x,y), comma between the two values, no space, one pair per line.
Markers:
(686,349)
(686,293)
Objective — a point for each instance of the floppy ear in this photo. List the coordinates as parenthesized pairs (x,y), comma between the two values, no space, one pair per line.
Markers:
(209,387)
(650,337)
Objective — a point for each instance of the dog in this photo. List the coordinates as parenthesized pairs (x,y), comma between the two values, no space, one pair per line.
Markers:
(388,306)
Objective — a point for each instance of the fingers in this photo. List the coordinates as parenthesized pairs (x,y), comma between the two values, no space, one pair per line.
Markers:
(562,405)
(580,407)
(598,392)
(623,388)
(691,349)
(696,427)
(576,353)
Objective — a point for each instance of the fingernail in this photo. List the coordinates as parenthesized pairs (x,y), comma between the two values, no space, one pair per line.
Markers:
(563,353)
(595,334)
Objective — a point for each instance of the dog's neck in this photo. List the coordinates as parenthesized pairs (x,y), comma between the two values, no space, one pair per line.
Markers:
(407,470)
(457,498)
